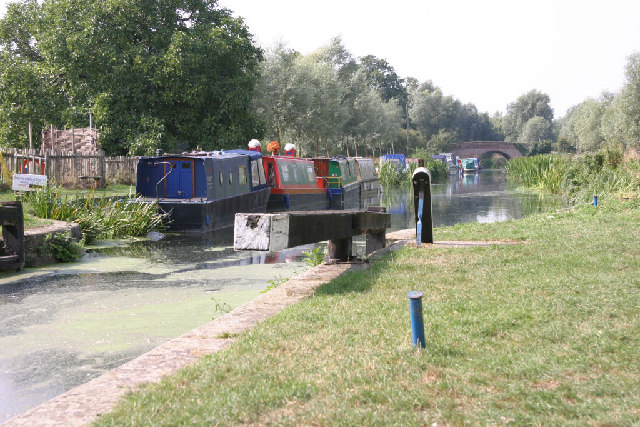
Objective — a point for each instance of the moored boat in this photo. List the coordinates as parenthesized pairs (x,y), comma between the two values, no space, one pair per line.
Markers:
(367,177)
(294,184)
(339,176)
(204,191)
(470,164)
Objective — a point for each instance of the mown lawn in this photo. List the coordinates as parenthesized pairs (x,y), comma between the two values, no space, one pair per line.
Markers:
(543,331)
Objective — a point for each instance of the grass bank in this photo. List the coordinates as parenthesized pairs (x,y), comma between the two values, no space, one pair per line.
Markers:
(543,331)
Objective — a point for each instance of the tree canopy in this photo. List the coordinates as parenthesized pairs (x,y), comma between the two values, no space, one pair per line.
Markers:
(155,74)
(532,105)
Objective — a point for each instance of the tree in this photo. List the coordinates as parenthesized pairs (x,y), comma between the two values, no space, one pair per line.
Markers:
(526,107)
(535,130)
(275,94)
(170,74)
(583,124)
(383,77)
(621,120)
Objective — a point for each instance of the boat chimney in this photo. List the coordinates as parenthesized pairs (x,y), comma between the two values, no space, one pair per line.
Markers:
(159,152)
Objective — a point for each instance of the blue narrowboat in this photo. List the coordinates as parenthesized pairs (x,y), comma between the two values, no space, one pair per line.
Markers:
(204,191)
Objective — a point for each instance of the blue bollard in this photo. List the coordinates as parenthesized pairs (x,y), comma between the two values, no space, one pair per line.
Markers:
(595,200)
(417,323)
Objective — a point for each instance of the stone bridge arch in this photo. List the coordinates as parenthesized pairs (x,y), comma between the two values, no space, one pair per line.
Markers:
(480,148)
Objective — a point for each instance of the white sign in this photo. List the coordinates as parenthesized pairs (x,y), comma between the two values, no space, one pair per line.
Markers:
(28,182)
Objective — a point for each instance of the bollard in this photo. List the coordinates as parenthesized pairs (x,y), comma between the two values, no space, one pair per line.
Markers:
(419,222)
(595,201)
(422,204)
(417,323)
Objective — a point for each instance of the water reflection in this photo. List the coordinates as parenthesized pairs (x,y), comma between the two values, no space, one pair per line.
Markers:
(476,197)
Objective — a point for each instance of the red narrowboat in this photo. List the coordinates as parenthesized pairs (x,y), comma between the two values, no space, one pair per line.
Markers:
(294,185)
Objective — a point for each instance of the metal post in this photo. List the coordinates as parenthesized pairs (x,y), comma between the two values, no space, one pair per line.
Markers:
(417,322)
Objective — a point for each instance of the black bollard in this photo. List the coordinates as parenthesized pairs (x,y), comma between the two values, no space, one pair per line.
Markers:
(422,205)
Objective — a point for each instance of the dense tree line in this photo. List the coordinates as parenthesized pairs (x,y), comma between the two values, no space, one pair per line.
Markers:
(167,74)
(185,74)
(329,102)
(612,119)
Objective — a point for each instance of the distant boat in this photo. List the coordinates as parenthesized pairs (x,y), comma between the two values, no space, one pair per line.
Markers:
(294,184)
(204,191)
(341,181)
(470,164)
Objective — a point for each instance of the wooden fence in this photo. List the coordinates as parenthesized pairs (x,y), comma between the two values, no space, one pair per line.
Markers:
(72,169)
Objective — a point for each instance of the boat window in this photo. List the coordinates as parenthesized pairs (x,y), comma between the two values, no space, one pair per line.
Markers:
(312,176)
(295,175)
(284,173)
(272,175)
(230,177)
(263,179)
(221,178)
(255,174)
(186,165)
(242,175)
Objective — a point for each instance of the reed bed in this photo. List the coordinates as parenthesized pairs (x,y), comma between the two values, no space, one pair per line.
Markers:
(99,217)
(391,175)
(578,179)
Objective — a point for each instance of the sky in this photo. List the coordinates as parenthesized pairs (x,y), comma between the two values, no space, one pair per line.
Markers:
(484,52)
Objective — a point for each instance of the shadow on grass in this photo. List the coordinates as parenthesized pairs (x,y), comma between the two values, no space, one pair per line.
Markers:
(357,279)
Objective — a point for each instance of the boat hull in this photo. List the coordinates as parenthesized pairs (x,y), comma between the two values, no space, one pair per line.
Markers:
(209,215)
(298,201)
(369,188)
(347,197)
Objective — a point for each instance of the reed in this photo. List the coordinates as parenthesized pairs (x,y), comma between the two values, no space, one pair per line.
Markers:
(607,173)
(391,174)
(99,217)
(541,172)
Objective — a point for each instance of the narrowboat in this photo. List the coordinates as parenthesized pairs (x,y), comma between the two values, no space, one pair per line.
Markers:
(294,184)
(204,191)
(367,177)
(470,164)
(339,177)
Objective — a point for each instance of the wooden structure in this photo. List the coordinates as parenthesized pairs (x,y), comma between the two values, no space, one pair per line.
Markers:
(72,169)
(80,140)
(273,232)
(12,222)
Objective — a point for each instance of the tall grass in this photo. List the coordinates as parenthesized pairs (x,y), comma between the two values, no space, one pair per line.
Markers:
(391,175)
(578,178)
(99,217)
(542,172)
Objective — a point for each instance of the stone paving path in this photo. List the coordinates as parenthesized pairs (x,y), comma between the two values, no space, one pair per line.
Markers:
(83,404)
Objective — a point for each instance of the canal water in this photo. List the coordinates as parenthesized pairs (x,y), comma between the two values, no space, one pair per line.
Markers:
(63,325)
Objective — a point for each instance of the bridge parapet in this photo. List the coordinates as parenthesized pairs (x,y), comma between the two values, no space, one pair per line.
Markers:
(480,148)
